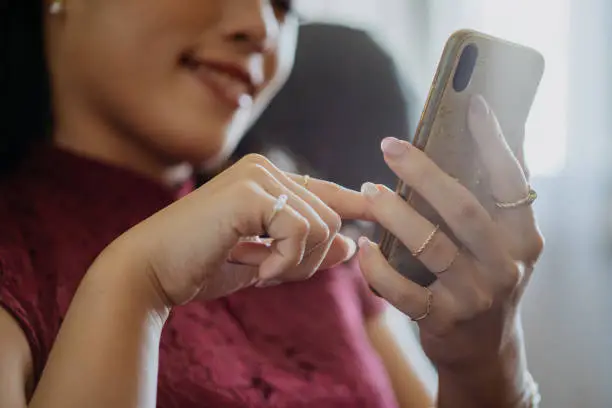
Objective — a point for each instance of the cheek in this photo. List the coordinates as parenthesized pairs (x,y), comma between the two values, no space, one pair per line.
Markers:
(139,38)
(126,52)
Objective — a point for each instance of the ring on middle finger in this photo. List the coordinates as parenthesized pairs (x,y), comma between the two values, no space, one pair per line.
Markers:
(417,253)
(450,263)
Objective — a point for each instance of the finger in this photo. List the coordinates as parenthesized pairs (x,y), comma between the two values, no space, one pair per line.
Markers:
(402,293)
(249,253)
(324,226)
(254,254)
(289,229)
(296,186)
(508,181)
(462,212)
(341,250)
(522,161)
(319,231)
(412,229)
(349,204)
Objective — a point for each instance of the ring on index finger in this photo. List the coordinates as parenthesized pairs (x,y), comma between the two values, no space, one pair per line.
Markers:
(279,205)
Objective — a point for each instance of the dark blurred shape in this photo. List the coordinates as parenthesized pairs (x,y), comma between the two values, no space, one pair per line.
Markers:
(343,96)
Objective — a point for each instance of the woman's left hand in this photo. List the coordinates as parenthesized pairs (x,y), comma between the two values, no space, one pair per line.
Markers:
(470,312)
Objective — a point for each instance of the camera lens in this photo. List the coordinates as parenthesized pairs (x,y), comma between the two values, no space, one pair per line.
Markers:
(465,68)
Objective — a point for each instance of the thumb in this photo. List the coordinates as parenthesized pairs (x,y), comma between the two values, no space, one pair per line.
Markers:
(252,253)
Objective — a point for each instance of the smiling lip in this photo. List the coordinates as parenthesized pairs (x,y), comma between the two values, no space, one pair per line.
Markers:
(230,83)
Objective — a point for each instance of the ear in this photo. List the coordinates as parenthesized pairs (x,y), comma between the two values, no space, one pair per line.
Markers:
(56,7)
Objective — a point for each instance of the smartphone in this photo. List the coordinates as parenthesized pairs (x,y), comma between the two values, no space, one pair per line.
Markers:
(507,75)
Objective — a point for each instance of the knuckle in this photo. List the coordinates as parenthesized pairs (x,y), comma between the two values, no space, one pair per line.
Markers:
(333,222)
(324,232)
(248,186)
(461,314)
(335,187)
(301,227)
(294,258)
(533,245)
(319,234)
(259,172)
(484,302)
(510,277)
(468,211)
(457,316)
(255,159)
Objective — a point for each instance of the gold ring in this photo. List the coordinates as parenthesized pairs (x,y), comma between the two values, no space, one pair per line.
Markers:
(425,244)
(527,200)
(428,307)
(279,204)
(450,263)
(306,181)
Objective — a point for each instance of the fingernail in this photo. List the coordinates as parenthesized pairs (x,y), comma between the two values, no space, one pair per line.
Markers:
(478,106)
(352,247)
(267,284)
(369,190)
(364,244)
(393,147)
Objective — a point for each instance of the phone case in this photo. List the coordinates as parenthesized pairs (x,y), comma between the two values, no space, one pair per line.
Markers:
(507,75)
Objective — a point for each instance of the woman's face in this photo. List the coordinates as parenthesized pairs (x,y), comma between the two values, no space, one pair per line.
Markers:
(169,76)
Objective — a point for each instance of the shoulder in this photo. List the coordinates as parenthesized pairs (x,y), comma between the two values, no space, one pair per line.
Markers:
(24,303)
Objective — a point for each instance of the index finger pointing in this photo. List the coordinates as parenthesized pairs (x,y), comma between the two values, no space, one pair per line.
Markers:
(349,204)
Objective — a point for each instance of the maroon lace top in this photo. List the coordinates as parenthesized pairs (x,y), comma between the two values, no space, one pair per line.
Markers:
(295,345)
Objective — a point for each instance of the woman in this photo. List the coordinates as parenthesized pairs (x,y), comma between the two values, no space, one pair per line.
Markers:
(96,256)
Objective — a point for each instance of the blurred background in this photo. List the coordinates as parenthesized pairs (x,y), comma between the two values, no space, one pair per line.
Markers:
(569,151)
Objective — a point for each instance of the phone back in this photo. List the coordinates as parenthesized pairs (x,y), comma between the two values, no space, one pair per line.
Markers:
(507,75)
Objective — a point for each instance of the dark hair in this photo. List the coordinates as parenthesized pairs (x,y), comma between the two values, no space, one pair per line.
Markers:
(343,95)
(25,101)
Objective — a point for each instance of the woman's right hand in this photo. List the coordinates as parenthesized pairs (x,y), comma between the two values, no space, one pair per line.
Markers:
(194,247)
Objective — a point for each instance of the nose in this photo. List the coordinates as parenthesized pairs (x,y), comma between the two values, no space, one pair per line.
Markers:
(251,25)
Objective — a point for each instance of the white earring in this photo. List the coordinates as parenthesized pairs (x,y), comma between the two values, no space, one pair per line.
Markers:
(56,7)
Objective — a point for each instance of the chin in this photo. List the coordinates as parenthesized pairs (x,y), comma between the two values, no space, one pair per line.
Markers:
(212,147)
(194,145)
(200,149)
(206,136)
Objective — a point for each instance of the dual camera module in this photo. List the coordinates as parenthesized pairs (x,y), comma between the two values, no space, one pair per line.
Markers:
(465,68)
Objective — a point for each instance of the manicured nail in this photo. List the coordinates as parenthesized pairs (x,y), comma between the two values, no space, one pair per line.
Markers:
(352,247)
(364,245)
(393,147)
(267,284)
(478,106)
(369,190)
